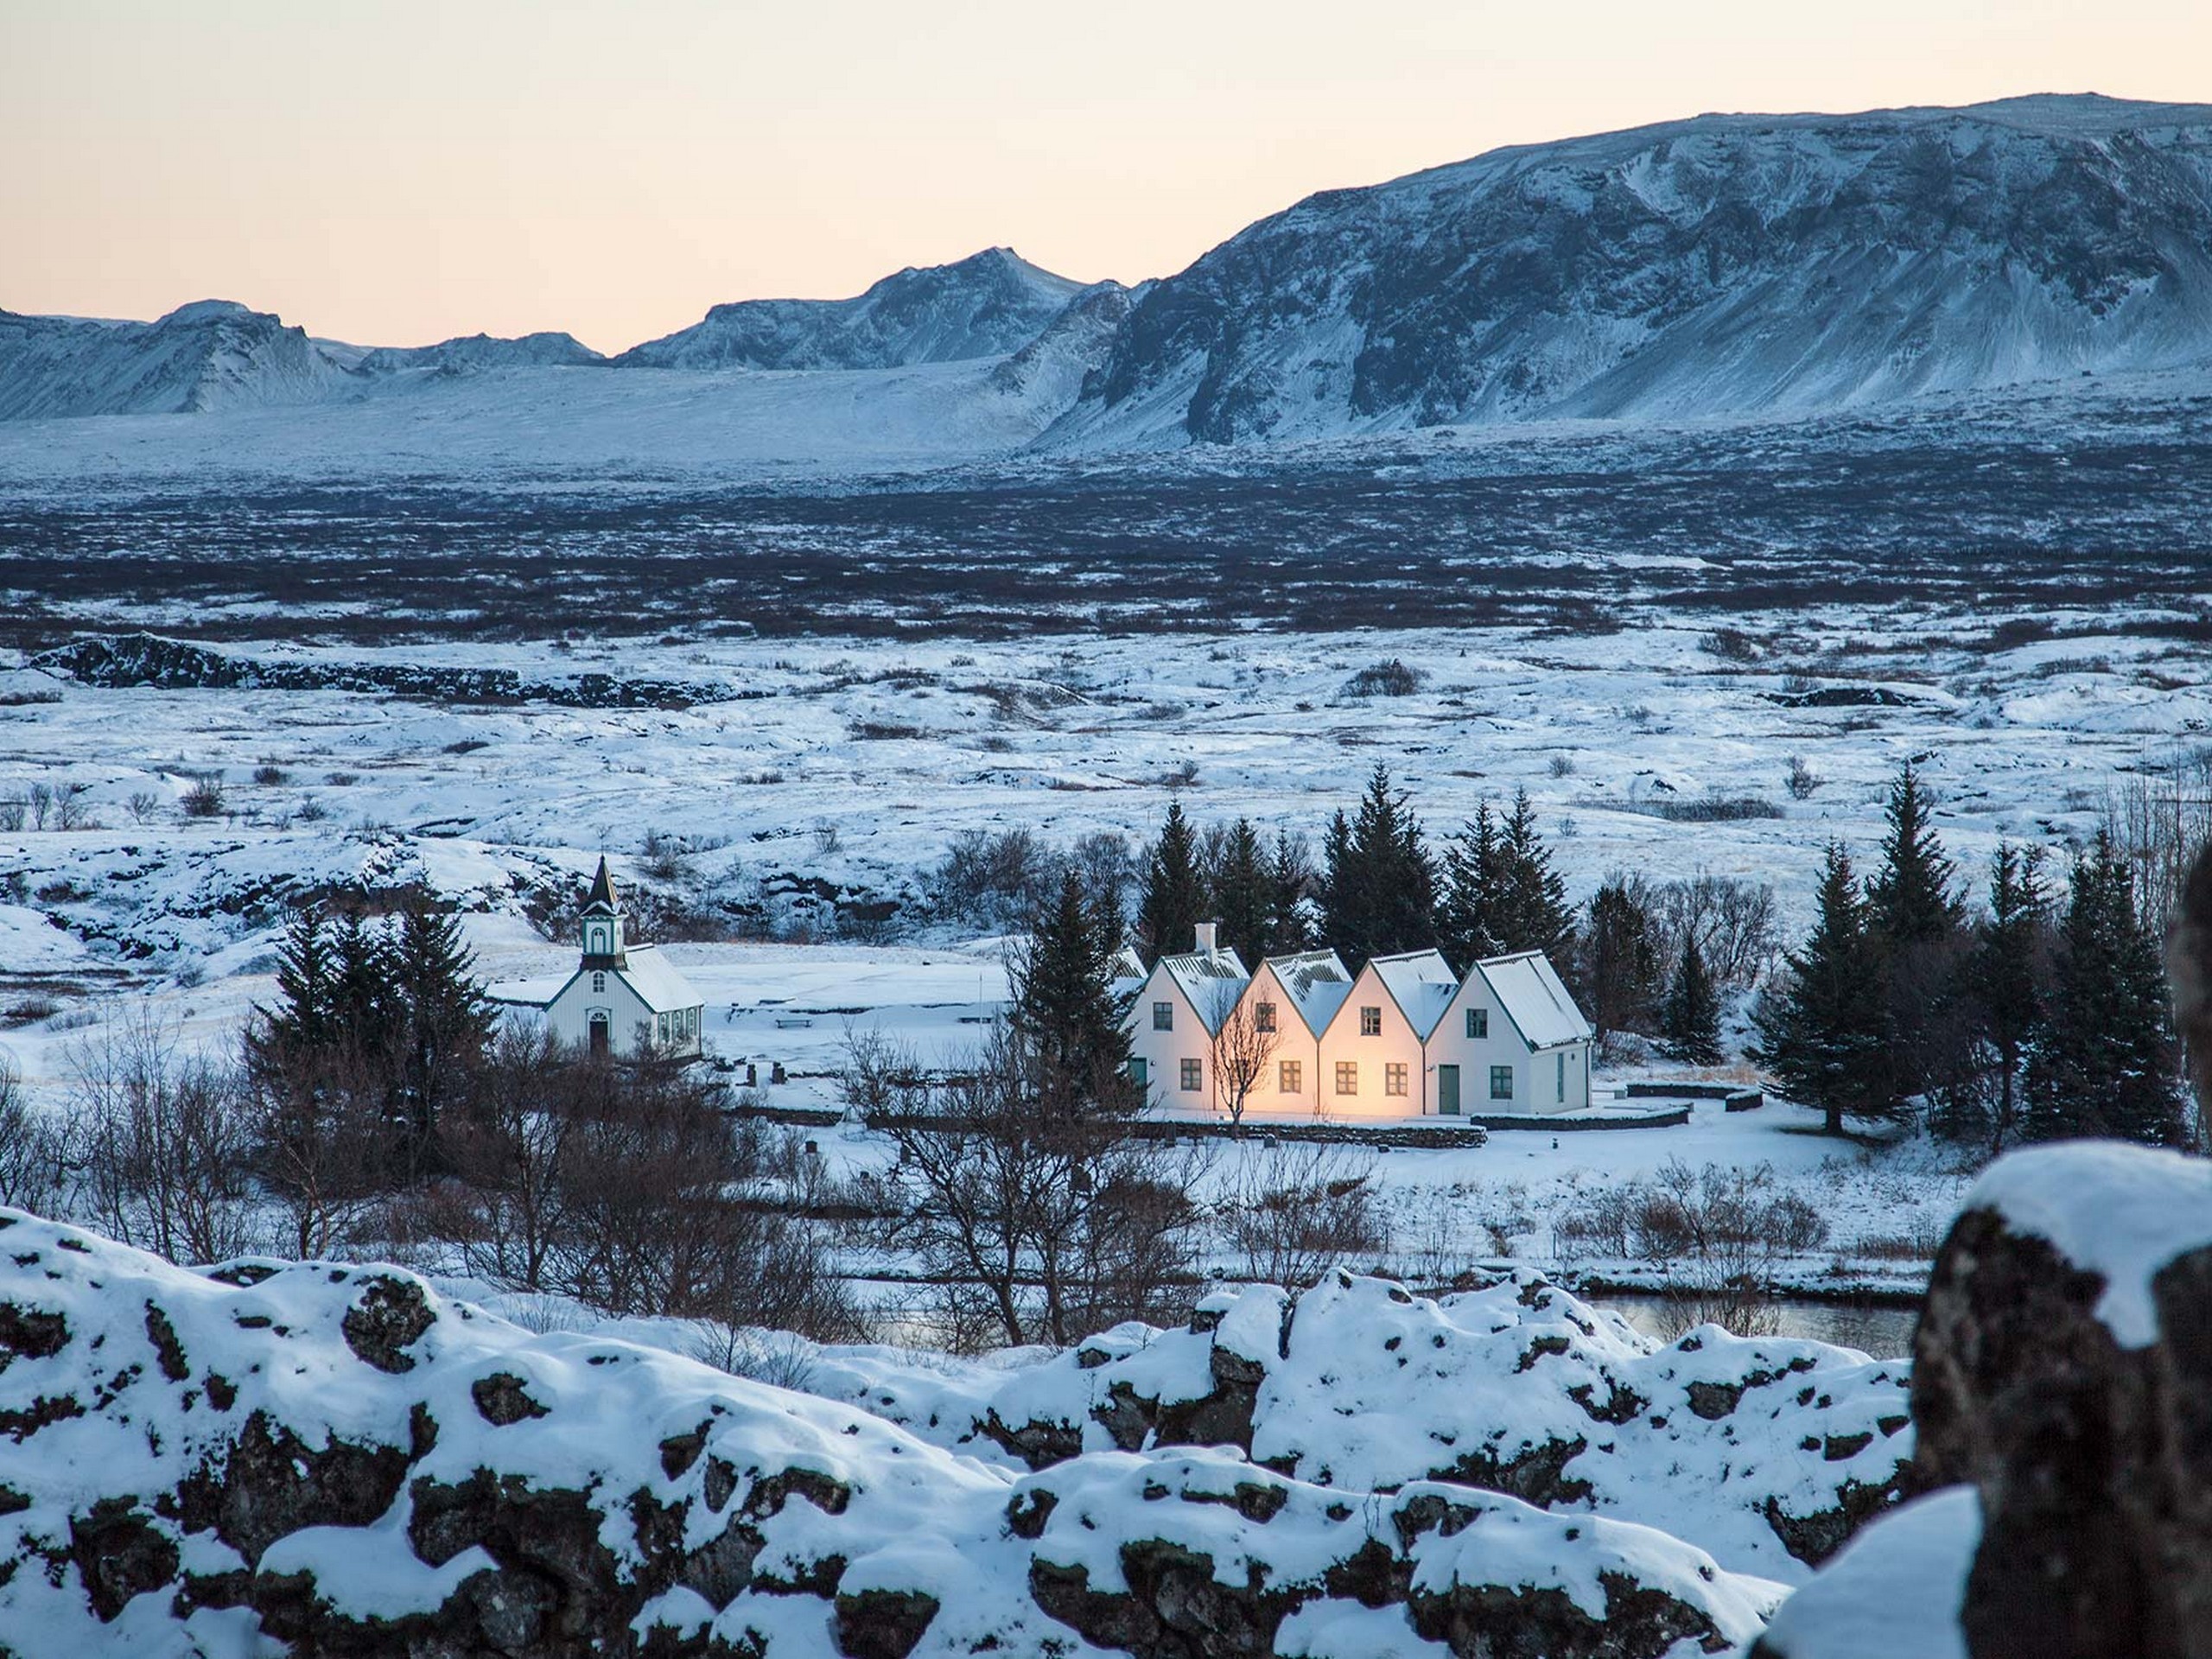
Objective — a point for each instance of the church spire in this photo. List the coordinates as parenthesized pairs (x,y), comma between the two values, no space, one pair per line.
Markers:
(602,917)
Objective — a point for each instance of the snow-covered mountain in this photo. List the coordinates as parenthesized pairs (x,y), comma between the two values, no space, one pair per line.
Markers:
(205,357)
(1724,265)
(470,352)
(988,305)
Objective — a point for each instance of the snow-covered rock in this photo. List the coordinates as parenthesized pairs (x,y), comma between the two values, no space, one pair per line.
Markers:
(988,305)
(334,1459)
(469,353)
(1728,264)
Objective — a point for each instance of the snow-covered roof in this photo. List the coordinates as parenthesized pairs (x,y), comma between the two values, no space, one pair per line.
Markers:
(656,982)
(1421,983)
(1210,980)
(1316,982)
(1528,988)
(528,992)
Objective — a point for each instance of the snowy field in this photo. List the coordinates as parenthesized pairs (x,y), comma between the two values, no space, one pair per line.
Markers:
(809,809)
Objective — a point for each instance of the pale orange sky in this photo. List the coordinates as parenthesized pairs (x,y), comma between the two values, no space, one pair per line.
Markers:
(394,172)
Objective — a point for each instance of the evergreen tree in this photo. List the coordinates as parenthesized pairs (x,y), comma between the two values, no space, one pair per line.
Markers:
(1912,898)
(1530,908)
(2007,978)
(1691,1019)
(443,1021)
(1065,1011)
(300,1030)
(1290,877)
(1173,900)
(1620,968)
(1468,922)
(1379,894)
(362,1005)
(1824,1030)
(1243,895)
(2104,1062)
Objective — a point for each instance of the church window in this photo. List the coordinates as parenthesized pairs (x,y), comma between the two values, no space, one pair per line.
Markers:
(599,984)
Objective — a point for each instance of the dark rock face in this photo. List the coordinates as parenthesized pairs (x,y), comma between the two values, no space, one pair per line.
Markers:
(2094,1461)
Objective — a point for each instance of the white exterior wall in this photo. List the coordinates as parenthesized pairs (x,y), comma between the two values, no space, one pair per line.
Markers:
(569,1015)
(1294,1041)
(1164,1051)
(1536,1071)
(1396,1044)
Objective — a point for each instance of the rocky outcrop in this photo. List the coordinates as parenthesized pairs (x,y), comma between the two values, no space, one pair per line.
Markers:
(338,1461)
(2063,1395)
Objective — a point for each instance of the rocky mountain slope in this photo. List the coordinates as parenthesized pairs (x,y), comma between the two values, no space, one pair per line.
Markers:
(988,305)
(1727,265)
(206,358)
(474,352)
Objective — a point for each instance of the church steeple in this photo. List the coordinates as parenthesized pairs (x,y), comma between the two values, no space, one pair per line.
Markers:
(602,917)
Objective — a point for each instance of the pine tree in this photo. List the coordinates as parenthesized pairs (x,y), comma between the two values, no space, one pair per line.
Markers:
(2104,1061)
(1468,922)
(1290,877)
(1824,1030)
(1530,908)
(1912,900)
(1243,895)
(2006,977)
(1173,900)
(1619,970)
(363,1009)
(1065,1010)
(298,1031)
(1691,1019)
(1379,894)
(443,1021)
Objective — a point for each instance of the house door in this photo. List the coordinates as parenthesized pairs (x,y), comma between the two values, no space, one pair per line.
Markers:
(1447,1091)
(599,1031)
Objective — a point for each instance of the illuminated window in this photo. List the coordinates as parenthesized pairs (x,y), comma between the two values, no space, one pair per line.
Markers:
(1394,1078)
(1347,1077)
(1290,1077)
(1193,1076)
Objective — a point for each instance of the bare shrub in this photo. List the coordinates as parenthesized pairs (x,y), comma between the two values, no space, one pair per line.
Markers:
(1800,780)
(143,805)
(33,1153)
(827,840)
(14,814)
(270,776)
(1286,1214)
(1390,677)
(204,798)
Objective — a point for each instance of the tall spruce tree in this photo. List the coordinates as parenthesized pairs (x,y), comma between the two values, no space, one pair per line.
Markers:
(1243,895)
(442,1022)
(2104,1062)
(1690,1022)
(1824,1030)
(1620,965)
(2007,980)
(1379,892)
(1467,921)
(300,1032)
(1065,1009)
(1913,899)
(1530,911)
(1173,898)
(1290,879)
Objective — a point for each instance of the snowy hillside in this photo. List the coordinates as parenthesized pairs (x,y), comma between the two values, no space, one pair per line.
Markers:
(473,352)
(1729,264)
(209,357)
(988,305)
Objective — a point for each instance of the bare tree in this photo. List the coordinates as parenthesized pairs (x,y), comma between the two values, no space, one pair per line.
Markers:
(33,1153)
(323,1146)
(506,1206)
(1734,923)
(1288,1213)
(1243,1048)
(166,1141)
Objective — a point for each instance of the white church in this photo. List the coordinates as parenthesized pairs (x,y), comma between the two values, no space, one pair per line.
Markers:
(621,998)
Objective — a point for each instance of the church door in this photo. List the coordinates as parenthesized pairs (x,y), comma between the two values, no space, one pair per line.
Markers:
(599,1031)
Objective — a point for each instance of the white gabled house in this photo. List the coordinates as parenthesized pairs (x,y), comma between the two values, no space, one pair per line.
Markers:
(1512,1041)
(1177,1009)
(621,998)
(1292,1000)
(1372,1054)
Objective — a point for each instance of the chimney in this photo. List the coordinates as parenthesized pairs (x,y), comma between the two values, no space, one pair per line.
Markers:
(1207,946)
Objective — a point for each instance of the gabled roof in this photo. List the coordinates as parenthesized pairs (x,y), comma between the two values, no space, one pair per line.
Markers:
(1210,980)
(1316,982)
(656,981)
(601,896)
(1126,966)
(1421,983)
(1528,989)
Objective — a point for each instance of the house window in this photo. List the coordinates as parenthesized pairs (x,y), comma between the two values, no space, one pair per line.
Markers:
(1193,1076)
(1163,1016)
(1263,1016)
(599,984)
(1290,1077)
(1477,1024)
(1394,1077)
(1347,1077)
(1140,1072)
(1501,1083)
(1370,1022)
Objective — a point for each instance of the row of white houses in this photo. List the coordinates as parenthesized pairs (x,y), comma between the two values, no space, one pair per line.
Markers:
(1404,1037)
